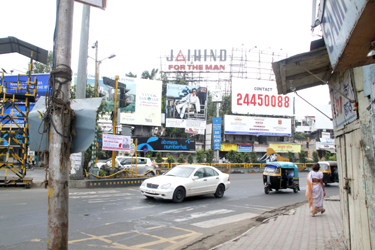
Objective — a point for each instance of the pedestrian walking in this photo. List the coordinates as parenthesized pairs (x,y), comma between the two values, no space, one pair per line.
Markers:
(315,190)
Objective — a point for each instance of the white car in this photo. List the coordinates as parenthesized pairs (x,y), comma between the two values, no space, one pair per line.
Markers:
(141,165)
(186,180)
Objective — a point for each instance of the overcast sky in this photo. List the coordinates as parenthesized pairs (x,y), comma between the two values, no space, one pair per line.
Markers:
(139,32)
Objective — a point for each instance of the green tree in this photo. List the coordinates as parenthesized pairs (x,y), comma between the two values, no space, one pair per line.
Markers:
(299,136)
(170,159)
(290,156)
(315,156)
(209,155)
(181,159)
(246,157)
(239,157)
(333,158)
(302,156)
(253,157)
(39,68)
(149,154)
(200,156)
(231,156)
(147,75)
(190,159)
(130,74)
(327,155)
(159,158)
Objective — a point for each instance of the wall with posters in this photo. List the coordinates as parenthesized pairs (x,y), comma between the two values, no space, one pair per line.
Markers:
(246,125)
(259,97)
(186,107)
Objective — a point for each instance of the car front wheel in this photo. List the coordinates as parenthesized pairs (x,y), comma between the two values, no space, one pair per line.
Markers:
(179,194)
(220,191)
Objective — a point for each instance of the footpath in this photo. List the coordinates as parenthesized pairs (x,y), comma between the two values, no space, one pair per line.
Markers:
(294,229)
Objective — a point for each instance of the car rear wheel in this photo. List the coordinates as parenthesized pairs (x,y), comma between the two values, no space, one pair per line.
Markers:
(220,191)
(179,194)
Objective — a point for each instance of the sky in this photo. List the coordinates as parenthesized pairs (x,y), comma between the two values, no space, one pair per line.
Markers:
(139,32)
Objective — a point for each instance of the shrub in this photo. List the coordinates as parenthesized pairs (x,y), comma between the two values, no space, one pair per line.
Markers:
(209,156)
(315,156)
(253,157)
(159,158)
(181,159)
(190,159)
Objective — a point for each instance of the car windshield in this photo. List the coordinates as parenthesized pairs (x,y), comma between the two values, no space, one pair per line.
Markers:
(272,170)
(324,166)
(184,172)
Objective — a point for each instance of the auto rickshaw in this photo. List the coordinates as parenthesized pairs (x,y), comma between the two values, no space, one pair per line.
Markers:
(280,175)
(330,171)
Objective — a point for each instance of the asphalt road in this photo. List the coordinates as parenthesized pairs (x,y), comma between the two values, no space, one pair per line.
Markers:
(122,218)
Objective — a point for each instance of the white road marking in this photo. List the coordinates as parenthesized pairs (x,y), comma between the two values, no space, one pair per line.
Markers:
(224,220)
(176,211)
(100,195)
(204,214)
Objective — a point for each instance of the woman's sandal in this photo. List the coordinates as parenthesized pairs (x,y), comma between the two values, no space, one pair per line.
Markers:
(322,212)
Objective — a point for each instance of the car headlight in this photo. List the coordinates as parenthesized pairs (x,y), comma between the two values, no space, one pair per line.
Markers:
(165,186)
(143,184)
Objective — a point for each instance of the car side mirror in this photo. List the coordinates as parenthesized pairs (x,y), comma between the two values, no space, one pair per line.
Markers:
(195,177)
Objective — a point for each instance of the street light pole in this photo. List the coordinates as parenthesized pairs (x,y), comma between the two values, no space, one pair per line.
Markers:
(96,69)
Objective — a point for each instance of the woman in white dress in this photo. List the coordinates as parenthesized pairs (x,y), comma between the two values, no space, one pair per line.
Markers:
(315,190)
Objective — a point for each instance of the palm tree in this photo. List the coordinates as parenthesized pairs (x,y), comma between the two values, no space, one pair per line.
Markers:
(147,75)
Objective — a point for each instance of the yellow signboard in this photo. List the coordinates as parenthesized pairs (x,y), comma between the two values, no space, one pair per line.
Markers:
(285,147)
(228,147)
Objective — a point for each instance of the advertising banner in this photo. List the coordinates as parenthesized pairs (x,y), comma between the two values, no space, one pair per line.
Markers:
(244,148)
(164,144)
(228,147)
(246,125)
(259,97)
(216,129)
(116,143)
(285,147)
(185,103)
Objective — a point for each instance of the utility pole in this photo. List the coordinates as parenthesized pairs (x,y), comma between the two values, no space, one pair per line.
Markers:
(60,135)
(82,68)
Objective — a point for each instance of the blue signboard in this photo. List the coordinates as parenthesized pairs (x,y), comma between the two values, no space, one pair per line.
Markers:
(244,148)
(216,130)
(10,83)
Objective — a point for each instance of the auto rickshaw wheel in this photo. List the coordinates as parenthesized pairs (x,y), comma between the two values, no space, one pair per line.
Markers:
(267,190)
(295,190)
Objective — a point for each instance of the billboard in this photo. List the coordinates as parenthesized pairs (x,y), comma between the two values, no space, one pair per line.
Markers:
(144,97)
(216,129)
(246,125)
(259,97)
(146,103)
(164,144)
(185,103)
(285,147)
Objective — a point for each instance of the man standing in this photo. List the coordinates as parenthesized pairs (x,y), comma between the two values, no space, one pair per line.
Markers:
(187,100)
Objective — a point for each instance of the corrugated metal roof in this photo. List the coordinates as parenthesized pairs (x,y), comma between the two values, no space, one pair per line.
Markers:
(11,44)
(302,71)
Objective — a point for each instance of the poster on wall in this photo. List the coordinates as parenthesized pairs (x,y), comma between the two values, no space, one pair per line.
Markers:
(116,143)
(246,125)
(259,97)
(164,144)
(186,103)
